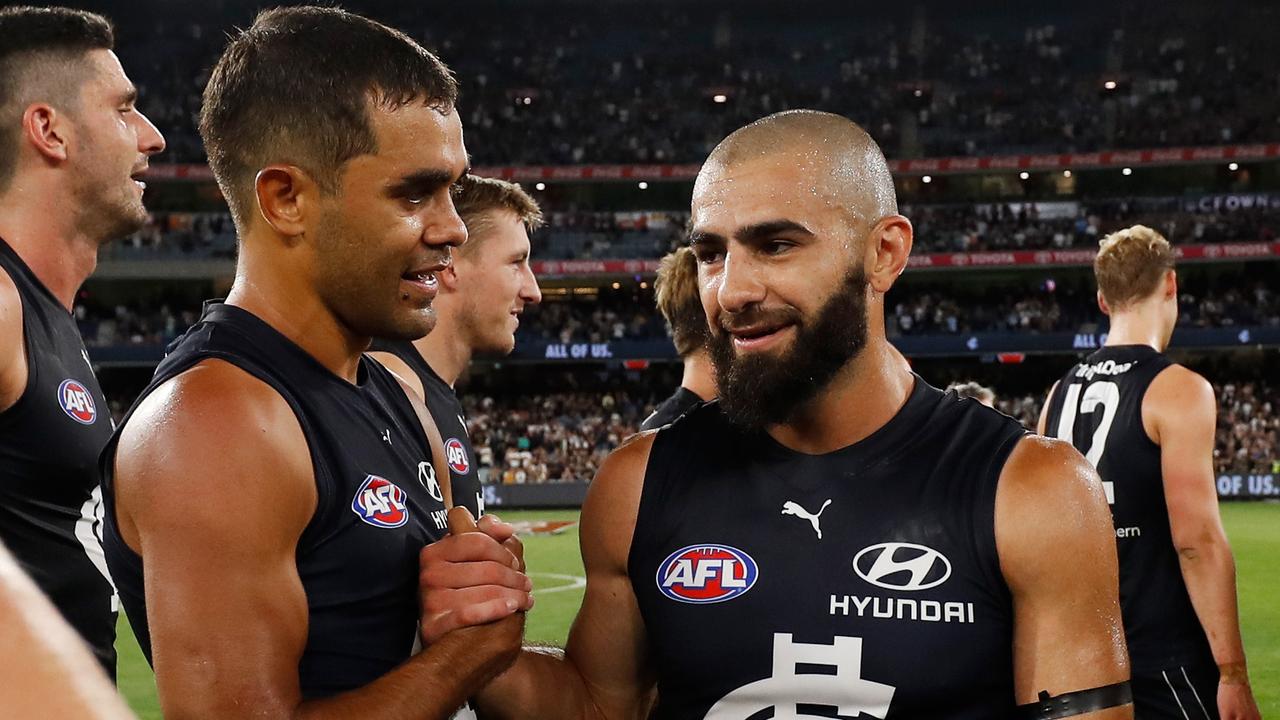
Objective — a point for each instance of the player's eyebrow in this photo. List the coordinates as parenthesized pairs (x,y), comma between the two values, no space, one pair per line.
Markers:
(701,237)
(129,96)
(764,230)
(424,182)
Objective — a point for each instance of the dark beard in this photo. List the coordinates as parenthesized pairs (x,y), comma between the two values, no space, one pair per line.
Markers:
(761,389)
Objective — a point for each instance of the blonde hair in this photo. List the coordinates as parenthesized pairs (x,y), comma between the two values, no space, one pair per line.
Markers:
(475,196)
(679,301)
(1130,265)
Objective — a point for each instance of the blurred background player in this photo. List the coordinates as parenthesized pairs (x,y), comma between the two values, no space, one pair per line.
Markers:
(72,146)
(481,296)
(676,288)
(971,389)
(47,671)
(701,594)
(1147,424)
(276,484)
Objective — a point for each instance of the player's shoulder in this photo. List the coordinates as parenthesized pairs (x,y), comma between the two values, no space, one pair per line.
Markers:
(214,405)
(612,506)
(1046,469)
(1048,495)
(1179,382)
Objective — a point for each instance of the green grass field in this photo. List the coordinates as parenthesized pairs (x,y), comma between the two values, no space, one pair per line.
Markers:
(554,563)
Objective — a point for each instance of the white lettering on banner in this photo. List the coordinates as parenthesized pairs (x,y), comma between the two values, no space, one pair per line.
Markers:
(787,689)
(1129,532)
(578,351)
(1248,486)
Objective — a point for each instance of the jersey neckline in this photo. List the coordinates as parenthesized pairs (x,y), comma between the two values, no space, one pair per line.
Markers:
(898,429)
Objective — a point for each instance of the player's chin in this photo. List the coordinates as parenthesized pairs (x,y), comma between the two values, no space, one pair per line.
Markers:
(408,324)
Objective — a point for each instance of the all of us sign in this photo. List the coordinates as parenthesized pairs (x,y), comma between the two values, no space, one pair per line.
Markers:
(1248,486)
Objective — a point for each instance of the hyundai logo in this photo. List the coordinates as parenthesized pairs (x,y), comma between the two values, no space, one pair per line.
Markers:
(902,566)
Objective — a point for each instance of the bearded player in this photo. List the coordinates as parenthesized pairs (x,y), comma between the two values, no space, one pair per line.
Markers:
(833,536)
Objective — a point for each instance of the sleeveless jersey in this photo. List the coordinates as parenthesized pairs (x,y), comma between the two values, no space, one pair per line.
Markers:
(1098,408)
(442,402)
(865,580)
(378,500)
(680,402)
(50,498)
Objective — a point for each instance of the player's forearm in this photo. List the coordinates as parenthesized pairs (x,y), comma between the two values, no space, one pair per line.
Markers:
(540,684)
(1209,571)
(431,685)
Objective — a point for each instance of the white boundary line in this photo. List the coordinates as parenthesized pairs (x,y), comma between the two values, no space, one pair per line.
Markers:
(575,582)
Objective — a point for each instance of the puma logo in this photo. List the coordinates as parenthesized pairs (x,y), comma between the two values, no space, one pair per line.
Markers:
(791,508)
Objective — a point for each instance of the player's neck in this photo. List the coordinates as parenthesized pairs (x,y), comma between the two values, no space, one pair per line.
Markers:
(278,294)
(447,352)
(49,242)
(1136,327)
(861,399)
(699,376)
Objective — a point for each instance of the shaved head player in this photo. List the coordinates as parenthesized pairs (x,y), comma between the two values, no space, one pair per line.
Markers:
(270,492)
(833,536)
(72,145)
(1148,425)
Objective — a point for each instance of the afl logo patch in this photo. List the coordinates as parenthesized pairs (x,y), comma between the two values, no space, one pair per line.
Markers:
(456,455)
(902,566)
(380,503)
(77,402)
(704,574)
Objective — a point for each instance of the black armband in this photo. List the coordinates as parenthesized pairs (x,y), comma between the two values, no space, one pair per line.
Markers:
(1077,703)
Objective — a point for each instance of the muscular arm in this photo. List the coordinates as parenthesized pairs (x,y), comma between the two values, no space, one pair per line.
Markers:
(214,487)
(13,356)
(1058,554)
(603,672)
(1179,411)
(47,670)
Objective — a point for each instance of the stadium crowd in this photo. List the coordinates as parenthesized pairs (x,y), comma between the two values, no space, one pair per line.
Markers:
(661,83)
(564,437)
(580,235)
(913,309)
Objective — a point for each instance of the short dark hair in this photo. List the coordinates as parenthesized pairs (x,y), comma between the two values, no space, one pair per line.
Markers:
(679,301)
(474,196)
(27,35)
(296,87)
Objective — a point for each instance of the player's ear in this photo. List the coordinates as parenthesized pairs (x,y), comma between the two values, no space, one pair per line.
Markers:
(1170,284)
(887,249)
(47,130)
(1102,304)
(286,194)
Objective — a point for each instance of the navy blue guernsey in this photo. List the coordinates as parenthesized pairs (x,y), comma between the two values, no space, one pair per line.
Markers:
(1098,408)
(866,580)
(442,402)
(50,498)
(378,501)
(681,401)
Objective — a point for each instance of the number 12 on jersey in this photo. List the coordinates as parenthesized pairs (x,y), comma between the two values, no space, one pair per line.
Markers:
(1105,394)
